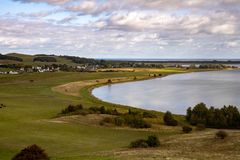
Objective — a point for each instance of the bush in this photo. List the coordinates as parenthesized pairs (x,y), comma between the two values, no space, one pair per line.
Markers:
(102,110)
(169,120)
(141,143)
(119,121)
(72,108)
(94,109)
(186,129)
(109,81)
(130,112)
(221,134)
(200,127)
(136,121)
(32,152)
(153,141)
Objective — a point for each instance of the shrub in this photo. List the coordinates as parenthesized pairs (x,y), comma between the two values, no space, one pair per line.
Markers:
(94,109)
(149,115)
(130,112)
(221,134)
(136,121)
(119,121)
(109,81)
(200,127)
(169,120)
(32,152)
(72,108)
(153,141)
(102,110)
(141,143)
(186,129)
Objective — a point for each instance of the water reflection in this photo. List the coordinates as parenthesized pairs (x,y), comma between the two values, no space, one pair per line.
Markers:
(176,92)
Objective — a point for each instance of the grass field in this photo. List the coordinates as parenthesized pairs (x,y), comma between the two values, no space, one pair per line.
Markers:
(32,108)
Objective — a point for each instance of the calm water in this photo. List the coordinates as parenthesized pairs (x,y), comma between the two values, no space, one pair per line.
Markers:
(176,92)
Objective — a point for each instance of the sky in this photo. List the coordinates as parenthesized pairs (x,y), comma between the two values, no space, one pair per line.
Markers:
(122,28)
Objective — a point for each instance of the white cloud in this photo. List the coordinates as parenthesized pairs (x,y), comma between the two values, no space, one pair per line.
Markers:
(223,29)
(132,27)
(233,44)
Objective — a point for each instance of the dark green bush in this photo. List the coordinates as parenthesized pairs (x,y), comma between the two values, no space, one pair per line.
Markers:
(32,152)
(136,121)
(169,120)
(186,129)
(72,108)
(153,141)
(221,134)
(102,110)
(94,109)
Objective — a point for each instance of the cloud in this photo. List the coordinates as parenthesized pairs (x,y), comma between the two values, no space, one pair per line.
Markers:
(37,14)
(52,2)
(157,21)
(136,28)
(233,44)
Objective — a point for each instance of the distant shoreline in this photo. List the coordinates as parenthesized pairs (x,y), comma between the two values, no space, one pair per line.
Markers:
(201,61)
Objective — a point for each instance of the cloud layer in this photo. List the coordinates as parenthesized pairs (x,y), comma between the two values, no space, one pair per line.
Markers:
(126,28)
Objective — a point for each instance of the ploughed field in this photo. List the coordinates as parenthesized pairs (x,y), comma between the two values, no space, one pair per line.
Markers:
(34,100)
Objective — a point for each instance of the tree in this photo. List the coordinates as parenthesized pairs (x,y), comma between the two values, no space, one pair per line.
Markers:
(169,120)
(226,117)
(189,114)
(32,152)
(199,114)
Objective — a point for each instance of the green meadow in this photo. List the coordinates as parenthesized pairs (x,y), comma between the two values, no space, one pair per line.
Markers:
(32,108)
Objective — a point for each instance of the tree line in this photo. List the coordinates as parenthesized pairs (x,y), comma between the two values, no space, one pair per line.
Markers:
(225,117)
(44,59)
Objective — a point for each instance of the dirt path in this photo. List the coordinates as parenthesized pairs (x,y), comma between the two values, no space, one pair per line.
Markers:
(74,87)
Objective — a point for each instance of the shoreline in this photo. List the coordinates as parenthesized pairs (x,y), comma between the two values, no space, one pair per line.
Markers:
(83,89)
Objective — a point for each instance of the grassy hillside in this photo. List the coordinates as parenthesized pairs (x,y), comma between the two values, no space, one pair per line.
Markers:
(30,117)
(28,60)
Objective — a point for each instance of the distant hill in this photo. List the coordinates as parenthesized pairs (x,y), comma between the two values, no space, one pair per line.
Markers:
(42,59)
(11,58)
